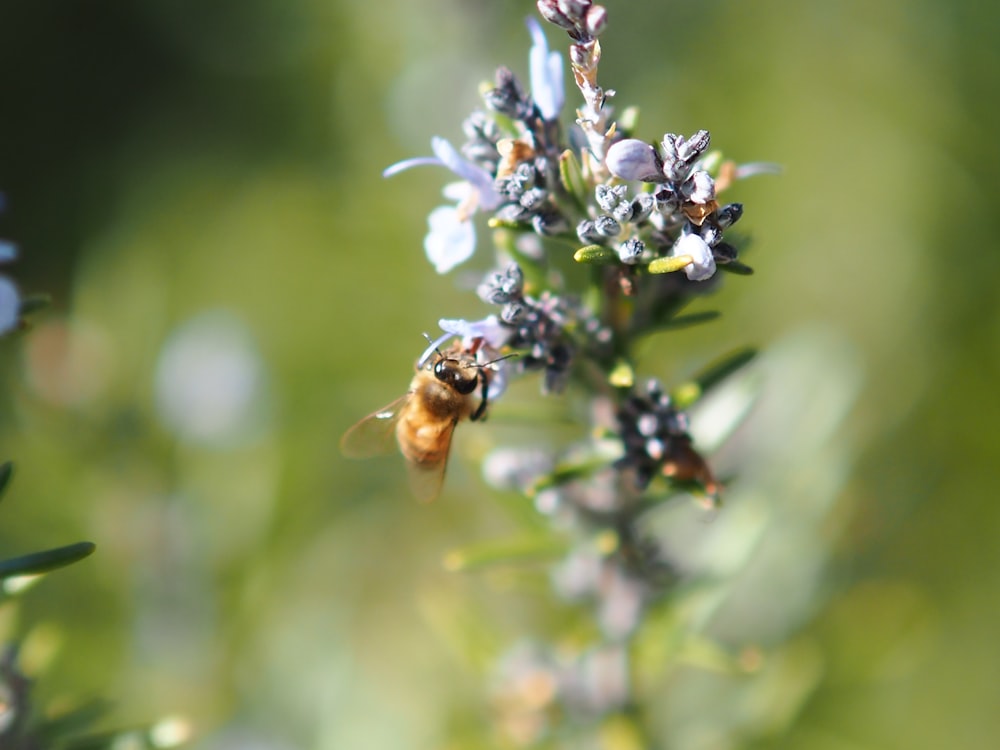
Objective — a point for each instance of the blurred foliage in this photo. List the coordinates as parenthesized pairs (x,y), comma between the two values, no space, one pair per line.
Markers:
(185,178)
(25,725)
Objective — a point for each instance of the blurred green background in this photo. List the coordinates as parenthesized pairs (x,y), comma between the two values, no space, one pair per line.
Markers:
(198,187)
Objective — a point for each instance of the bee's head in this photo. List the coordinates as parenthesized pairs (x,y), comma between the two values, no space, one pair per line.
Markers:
(460,374)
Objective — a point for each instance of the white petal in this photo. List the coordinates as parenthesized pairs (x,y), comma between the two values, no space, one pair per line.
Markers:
(450,240)
(457,191)
(703,266)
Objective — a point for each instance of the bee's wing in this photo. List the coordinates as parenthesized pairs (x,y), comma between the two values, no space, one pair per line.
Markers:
(374,434)
(426,479)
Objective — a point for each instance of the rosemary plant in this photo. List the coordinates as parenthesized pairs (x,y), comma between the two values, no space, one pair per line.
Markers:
(600,238)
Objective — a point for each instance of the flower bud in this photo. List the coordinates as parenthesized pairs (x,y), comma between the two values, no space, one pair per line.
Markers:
(608,197)
(690,149)
(632,159)
(587,232)
(730,214)
(596,21)
(606,226)
(630,251)
(642,206)
(700,187)
(550,12)
(575,9)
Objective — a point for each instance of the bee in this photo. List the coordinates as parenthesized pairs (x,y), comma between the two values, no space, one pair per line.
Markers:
(441,394)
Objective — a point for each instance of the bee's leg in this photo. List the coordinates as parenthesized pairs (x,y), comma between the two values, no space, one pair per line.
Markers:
(480,411)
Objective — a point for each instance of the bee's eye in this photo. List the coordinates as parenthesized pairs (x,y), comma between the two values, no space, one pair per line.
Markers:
(464,385)
(448,371)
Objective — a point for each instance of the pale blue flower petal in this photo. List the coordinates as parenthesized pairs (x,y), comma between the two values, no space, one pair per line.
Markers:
(8,251)
(546,70)
(498,382)
(489,329)
(752,169)
(451,239)
(494,335)
(432,347)
(10,305)
(490,333)
(479,178)
(417,161)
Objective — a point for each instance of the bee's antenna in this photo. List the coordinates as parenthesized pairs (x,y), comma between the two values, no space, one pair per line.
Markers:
(434,344)
(511,355)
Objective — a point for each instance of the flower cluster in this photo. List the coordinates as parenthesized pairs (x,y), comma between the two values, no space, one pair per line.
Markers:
(537,326)
(592,228)
(656,440)
(684,215)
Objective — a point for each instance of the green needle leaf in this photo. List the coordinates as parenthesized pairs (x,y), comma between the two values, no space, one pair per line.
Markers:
(670,264)
(736,267)
(692,319)
(687,393)
(505,552)
(34,303)
(596,254)
(6,472)
(571,175)
(43,562)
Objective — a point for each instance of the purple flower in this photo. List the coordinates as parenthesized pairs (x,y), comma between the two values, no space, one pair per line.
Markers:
(490,335)
(493,333)
(546,70)
(451,238)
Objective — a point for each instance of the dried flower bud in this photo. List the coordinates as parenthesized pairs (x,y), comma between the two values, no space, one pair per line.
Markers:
(700,187)
(575,9)
(711,233)
(499,288)
(607,226)
(642,206)
(588,233)
(690,149)
(549,224)
(608,197)
(596,21)
(550,11)
(630,251)
(730,214)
